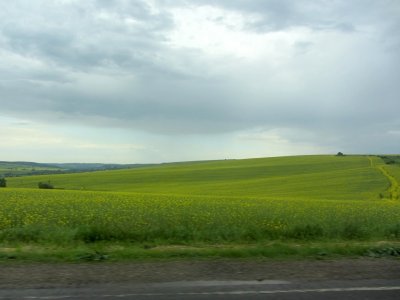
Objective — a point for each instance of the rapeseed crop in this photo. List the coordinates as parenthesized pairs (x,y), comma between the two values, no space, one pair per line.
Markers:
(65,216)
(234,201)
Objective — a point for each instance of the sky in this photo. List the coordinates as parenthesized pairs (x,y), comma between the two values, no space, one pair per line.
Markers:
(148,81)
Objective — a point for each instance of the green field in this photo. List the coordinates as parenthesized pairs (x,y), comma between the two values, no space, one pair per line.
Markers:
(231,202)
(302,177)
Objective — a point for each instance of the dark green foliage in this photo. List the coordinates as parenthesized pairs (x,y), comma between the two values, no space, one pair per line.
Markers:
(339,154)
(21,234)
(391,159)
(91,234)
(45,185)
(352,231)
(384,252)
(394,231)
(306,232)
(3,182)
(93,256)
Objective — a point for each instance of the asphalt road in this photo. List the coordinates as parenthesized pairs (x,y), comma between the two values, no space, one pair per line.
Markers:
(267,289)
(340,279)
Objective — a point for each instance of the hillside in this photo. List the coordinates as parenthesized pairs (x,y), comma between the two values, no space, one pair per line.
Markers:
(23,168)
(231,208)
(20,168)
(296,177)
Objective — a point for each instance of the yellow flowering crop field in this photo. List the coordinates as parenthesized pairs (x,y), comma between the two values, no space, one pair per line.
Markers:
(233,201)
(64,216)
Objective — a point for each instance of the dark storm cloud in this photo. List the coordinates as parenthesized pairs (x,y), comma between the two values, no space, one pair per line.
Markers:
(110,63)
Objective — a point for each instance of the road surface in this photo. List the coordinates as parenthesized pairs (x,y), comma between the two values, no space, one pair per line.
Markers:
(346,279)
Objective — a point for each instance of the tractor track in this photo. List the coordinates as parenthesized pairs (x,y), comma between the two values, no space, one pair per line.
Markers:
(394,187)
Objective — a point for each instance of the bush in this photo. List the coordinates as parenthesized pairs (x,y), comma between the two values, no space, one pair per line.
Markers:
(3,182)
(394,231)
(352,231)
(45,185)
(306,232)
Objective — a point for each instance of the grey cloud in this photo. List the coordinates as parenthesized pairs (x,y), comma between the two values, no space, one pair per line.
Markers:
(339,15)
(283,14)
(174,107)
(150,86)
(76,36)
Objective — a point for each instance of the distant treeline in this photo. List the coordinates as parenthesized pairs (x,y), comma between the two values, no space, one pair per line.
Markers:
(28,173)
(391,159)
(16,169)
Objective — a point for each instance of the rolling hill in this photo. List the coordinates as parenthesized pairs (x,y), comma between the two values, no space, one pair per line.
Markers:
(285,199)
(296,177)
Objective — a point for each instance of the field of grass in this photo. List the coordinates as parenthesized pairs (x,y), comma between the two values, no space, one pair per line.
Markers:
(289,200)
(302,177)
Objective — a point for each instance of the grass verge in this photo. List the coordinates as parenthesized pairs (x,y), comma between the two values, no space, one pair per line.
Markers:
(113,252)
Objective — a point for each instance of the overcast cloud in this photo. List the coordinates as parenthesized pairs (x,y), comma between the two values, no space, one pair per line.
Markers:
(171,80)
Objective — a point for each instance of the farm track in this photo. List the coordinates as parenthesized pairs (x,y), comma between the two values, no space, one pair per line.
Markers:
(394,187)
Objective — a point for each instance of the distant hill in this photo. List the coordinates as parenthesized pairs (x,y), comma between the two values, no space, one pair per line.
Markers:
(21,168)
(24,168)
(97,166)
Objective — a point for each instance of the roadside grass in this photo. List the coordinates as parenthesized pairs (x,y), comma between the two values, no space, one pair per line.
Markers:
(272,250)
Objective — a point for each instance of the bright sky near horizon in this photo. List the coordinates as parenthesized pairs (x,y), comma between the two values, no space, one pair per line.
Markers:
(143,81)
